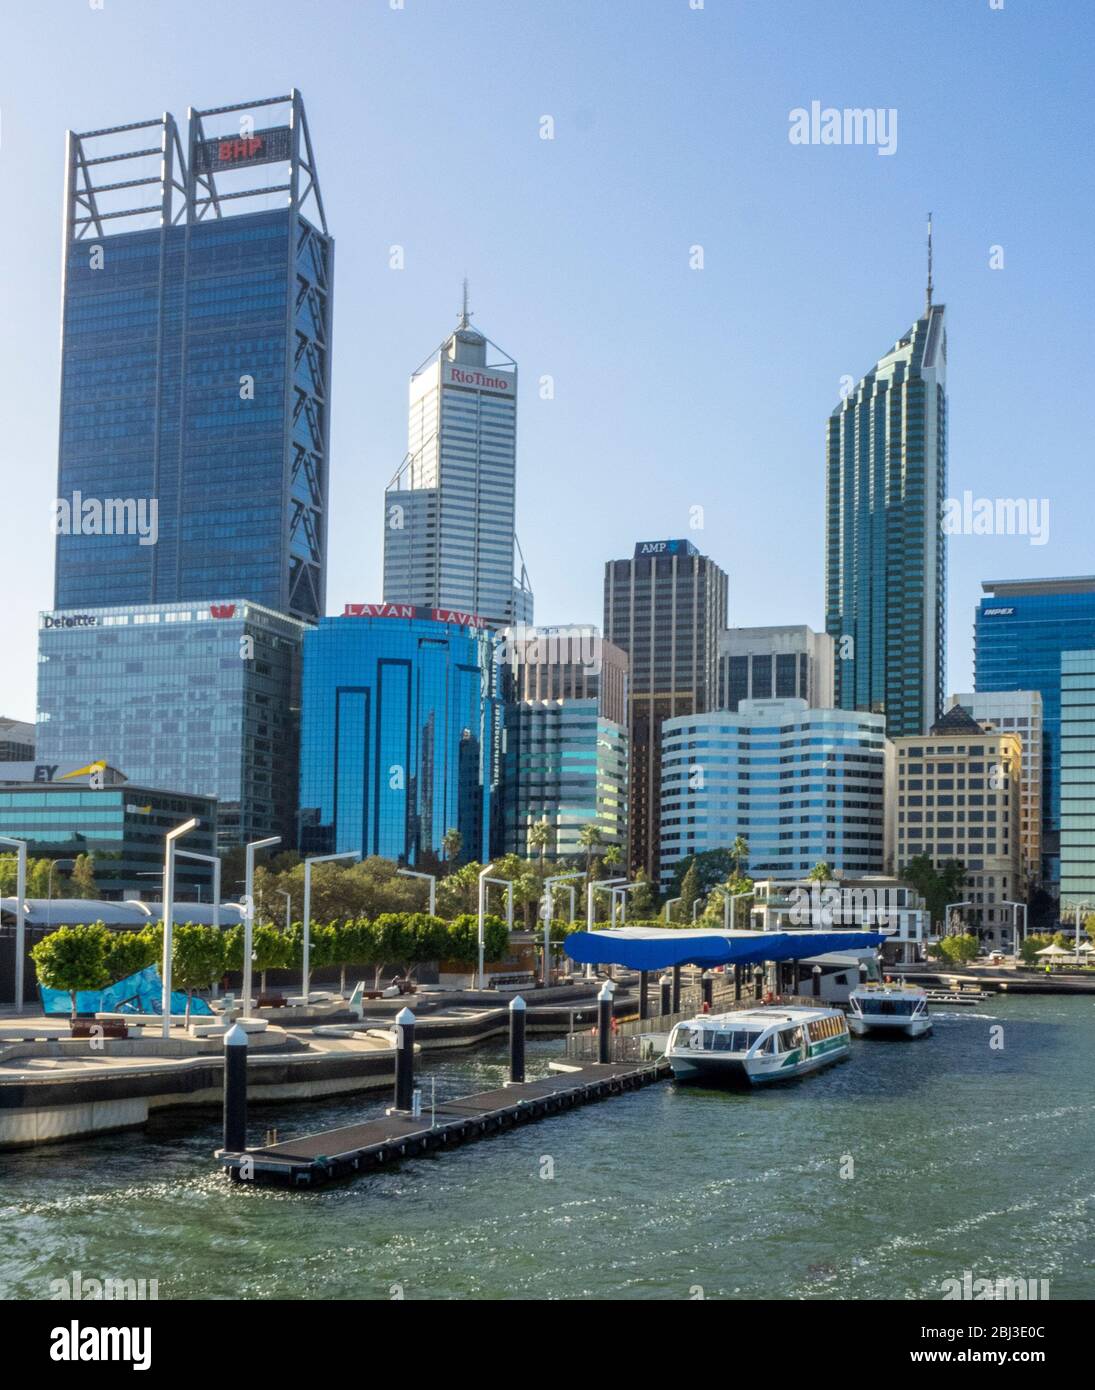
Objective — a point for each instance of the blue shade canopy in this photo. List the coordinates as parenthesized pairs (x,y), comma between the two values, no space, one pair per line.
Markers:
(654,948)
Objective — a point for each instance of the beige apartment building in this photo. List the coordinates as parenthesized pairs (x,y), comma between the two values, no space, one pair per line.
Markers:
(958,797)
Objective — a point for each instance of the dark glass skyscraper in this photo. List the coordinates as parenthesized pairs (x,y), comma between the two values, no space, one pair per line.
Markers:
(885,554)
(195,380)
(665,607)
(1022,628)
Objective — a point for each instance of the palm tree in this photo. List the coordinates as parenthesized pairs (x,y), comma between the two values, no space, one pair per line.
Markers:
(612,856)
(538,838)
(452,842)
(589,837)
(739,851)
(820,873)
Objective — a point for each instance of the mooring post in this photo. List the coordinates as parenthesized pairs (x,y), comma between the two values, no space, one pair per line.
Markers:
(707,985)
(517,1013)
(737,984)
(758,982)
(644,997)
(666,986)
(676,989)
(604,1023)
(816,972)
(862,972)
(235,1089)
(404,1060)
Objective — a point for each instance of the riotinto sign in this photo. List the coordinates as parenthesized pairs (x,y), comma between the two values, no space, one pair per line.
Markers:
(237,151)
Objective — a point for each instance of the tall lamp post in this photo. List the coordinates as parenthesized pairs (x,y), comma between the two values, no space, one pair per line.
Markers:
(216,863)
(484,874)
(947,916)
(20,846)
(594,885)
(306,952)
(507,884)
(249,917)
(414,873)
(728,906)
(549,884)
(169,915)
(54,864)
(669,902)
(1015,906)
(621,890)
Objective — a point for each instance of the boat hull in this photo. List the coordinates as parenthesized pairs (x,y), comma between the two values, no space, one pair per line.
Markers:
(713,1070)
(879,1026)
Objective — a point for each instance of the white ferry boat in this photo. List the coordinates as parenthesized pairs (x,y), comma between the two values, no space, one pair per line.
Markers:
(756,1046)
(889,1008)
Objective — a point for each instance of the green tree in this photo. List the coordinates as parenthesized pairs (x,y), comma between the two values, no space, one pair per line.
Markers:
(959,950)
(713,866)
(538,838)
(129,951)
(739,853)
(690,891)
(459,891)
(197,958)
(463,939)
(820,873)
(82,880)
(937,887)
(589,837)
(73,959)
(452,842)
(641,902)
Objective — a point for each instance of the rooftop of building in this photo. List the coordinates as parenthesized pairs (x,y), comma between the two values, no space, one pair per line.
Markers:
(1022,588)
(16,730)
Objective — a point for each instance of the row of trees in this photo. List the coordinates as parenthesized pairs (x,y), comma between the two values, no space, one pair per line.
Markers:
(76,882)
(92,957)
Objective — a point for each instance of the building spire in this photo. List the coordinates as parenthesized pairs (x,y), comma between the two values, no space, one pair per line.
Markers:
(465,313)
(928,264)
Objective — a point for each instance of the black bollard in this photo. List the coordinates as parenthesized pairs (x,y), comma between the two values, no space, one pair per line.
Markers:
(517,1013)
(817,981)
(862,972)
(235,1089)
(707,984)
(676,989)
(758,983)
(404,1060)
(737,984)
(666,986)
(644,998)
(604,1023)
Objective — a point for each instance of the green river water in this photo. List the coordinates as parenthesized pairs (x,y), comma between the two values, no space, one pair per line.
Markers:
(962,1157)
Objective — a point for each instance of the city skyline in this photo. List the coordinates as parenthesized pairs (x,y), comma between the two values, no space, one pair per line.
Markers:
(834,290)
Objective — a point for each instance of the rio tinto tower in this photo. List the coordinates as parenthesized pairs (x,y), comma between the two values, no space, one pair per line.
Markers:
(449,512)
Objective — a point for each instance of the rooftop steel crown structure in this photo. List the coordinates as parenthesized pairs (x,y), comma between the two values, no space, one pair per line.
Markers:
(196,359)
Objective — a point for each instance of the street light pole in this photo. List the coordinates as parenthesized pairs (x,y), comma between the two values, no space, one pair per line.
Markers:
(20,846)
(728,906)
(667,905)
(306,951)
(549,884)
(249,919)
(483,874)
(216,863)
(506,883)
(947,915)
(169,916)
(413,873)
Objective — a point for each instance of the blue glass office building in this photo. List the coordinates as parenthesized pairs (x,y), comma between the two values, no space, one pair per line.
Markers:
(399,734)
(201,699)
(1022,627)
(195,377)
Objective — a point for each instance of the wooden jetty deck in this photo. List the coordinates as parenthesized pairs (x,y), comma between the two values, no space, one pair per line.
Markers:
(337,1153)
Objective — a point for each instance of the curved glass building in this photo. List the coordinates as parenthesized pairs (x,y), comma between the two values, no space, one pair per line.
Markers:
(398,733)
(801,785)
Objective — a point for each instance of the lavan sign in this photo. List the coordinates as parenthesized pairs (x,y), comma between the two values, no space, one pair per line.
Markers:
(410,610)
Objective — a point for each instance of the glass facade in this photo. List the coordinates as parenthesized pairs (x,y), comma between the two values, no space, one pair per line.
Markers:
(800,785)
(1078,779)
(564,764)
(885,550)
(398,738)
(122,827)
(195,376)
(1021,629)
(201,699)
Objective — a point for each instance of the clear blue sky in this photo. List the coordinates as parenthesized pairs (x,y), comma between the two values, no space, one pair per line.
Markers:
(674,388)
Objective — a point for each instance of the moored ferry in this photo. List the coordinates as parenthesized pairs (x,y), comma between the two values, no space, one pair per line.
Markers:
(756,1046)
(889,1008)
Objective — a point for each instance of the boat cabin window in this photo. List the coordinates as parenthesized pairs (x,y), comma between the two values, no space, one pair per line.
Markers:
(789,1039)
(735,1040)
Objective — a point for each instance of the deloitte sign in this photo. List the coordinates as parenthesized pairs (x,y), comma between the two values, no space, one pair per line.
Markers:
(69,620)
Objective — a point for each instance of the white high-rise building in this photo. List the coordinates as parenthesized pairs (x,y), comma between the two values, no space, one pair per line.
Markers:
(449,513)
